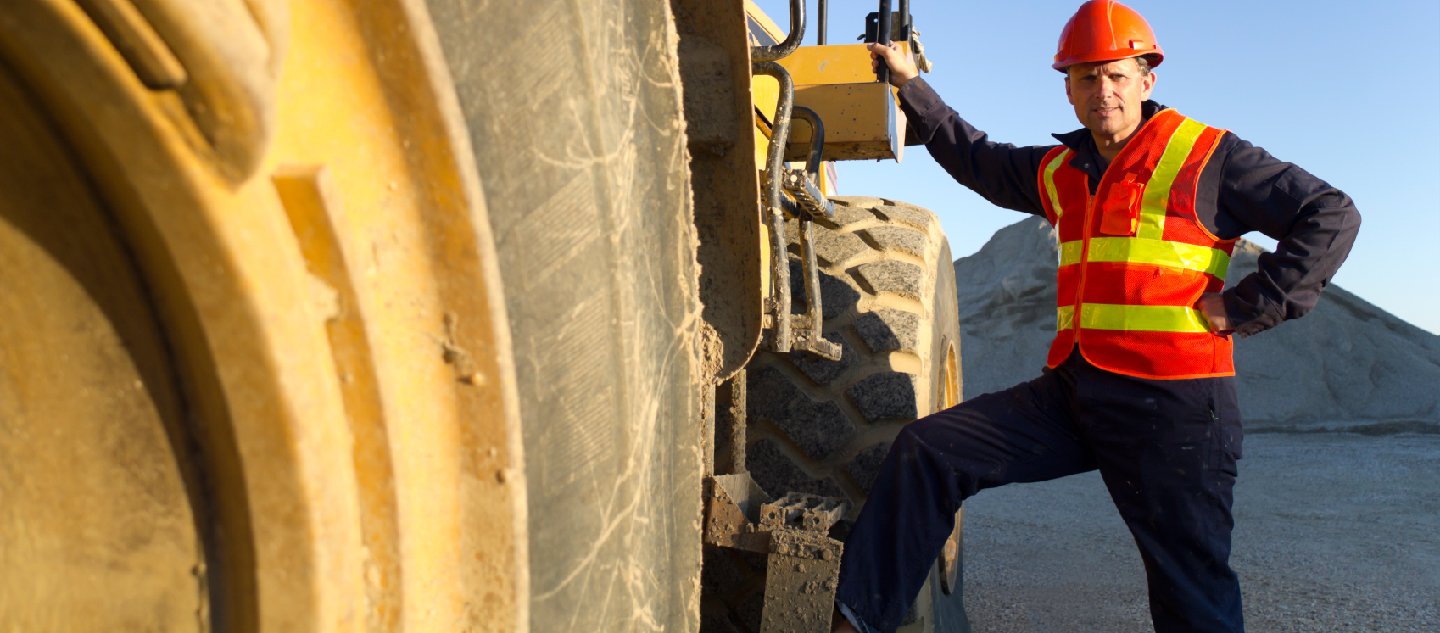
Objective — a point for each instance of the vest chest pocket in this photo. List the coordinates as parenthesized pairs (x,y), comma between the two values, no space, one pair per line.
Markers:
(1120,207)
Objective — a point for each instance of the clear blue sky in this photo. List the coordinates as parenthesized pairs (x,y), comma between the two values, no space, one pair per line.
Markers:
(1350,91)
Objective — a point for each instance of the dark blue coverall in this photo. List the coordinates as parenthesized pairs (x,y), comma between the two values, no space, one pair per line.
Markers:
(1166,449)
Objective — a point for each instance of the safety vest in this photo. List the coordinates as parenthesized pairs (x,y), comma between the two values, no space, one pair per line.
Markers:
(1134,257)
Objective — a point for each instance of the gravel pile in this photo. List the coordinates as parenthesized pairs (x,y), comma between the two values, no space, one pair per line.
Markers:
(1346,364)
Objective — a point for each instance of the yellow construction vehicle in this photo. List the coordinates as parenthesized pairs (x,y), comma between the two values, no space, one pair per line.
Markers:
(384,315)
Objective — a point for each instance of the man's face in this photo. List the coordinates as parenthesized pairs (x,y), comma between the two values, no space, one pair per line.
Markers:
(1107,96)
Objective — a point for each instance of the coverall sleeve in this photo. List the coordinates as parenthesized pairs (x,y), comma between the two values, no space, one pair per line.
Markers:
(1314,223)
(1000,172)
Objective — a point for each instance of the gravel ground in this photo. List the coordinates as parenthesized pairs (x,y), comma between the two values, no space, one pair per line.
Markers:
(1334,532)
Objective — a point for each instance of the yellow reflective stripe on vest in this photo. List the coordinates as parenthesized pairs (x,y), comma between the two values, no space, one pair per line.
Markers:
(1131,250)
(1107,316)
(1050,189)
(1070,252)
(1157,189)
(1066,319)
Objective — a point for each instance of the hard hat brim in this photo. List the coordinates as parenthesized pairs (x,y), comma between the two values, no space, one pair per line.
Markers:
(1155,54)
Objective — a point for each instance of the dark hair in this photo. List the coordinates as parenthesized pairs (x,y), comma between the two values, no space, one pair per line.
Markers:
(1144,63)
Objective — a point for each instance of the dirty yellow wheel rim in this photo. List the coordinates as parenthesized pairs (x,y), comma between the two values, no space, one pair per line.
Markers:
(256,370)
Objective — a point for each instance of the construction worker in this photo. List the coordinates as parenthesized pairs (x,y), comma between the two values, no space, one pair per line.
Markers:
(1147,205)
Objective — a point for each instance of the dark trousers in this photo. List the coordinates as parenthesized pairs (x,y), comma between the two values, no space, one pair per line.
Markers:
(1165,448)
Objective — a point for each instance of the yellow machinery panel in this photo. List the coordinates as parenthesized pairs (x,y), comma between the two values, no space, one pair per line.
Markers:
(861,122)
(862,117)
(832,64)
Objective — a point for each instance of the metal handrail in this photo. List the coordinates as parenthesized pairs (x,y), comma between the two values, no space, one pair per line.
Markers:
(792,41)
(817,139)
(822,16)
(882,35)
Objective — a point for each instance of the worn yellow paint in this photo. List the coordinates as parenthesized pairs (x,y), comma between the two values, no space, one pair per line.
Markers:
(98,532)
(833,64)
(766,23)
(861,122)
(333,309)
(766,92)
(441,530)
(765,250)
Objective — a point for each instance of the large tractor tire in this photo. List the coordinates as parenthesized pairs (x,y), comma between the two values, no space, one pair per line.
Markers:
(574,116)
(821,427)
(256,368)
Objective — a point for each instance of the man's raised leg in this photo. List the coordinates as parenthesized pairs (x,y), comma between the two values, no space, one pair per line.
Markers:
(1022,434)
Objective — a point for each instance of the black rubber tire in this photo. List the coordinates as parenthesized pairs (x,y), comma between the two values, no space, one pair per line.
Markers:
(888,293)
(822,427)
(576,127)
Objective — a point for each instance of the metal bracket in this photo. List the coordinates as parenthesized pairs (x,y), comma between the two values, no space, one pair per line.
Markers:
(802,568)
(814,203)
(807,331)
(802,562)
(899,24)
(808,339)
(732,504)
(801,511)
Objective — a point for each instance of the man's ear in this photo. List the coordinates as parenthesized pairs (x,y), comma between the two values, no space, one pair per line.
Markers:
(1069,97)
(1148,85)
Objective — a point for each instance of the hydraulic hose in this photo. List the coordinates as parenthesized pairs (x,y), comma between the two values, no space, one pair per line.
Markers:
(774,172)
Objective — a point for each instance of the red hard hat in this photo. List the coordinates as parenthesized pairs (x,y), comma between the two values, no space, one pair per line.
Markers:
(1105,30)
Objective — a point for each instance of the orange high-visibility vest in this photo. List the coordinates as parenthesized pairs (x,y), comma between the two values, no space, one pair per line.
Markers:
(1135,257)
